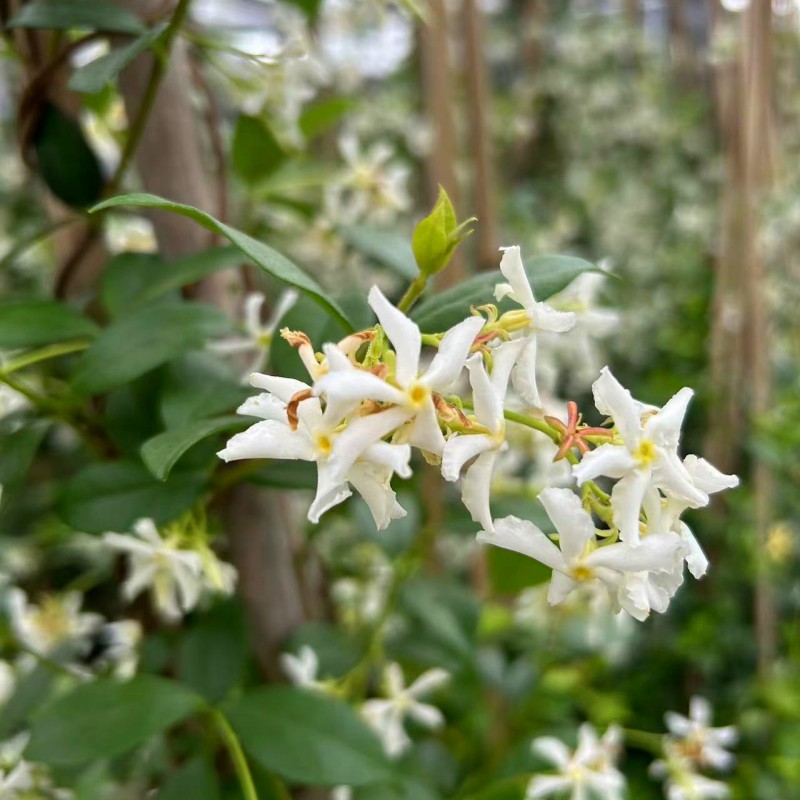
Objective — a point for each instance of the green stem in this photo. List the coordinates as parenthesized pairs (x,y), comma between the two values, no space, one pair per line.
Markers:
(159,69)
(234,747)
(536,424)
(643,740)
(37,236)
(415,289)
(44,354)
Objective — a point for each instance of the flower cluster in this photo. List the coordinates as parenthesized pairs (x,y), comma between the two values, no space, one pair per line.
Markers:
(372,398)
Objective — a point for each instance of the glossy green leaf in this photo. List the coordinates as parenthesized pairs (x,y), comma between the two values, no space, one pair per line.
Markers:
(271,261)
(388,248)
(548,276)
(161,453)
(214,652)
(307,737)
(199,385)
(256,153)
(71,14)
(64,159)
(143,340)
(32,323)
(96,75)
(105,718)
(319,116)
(113,495)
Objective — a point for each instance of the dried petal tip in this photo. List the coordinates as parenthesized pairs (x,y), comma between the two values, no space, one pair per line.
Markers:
(295,338)
(291,408)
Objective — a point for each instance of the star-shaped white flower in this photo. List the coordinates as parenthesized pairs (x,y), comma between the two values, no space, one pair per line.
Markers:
(57,622)
(579,556)
(410,391)
(541,317)
(681,779)
(488,397)
(258,335)
(702,743)
(346,450)
(174,576)
(386,716)
(647,456)
(589,771)
(302,669)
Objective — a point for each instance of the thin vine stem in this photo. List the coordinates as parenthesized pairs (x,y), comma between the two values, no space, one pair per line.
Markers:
(234,748)
(413,293)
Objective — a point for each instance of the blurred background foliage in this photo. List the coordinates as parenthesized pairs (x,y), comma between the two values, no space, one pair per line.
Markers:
(603,129)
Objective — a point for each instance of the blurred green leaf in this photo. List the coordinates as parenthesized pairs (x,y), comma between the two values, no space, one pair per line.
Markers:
(256,153)
(319,116)
(336,651)
(64,159)
(97,74)
(112,496)
(18,446)
(271,261)
(69,14)
(199,385)
(548,276)
(214,652)
(31,323)
(161,453)
(307,738)
(105,718)
(194,780)
(511,572)
(287,475)
(388,248)
(30,691)
(143,340)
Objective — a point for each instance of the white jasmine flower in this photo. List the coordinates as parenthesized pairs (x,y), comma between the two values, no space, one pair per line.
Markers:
(647,456)
(578,351)
(386,716)
(342,793)
(15,774)
(7,682)
(302,669)
(56,623)
(259,335)
(374,188)
(115,647)
(173,576)
(411,392)
(681,779)
(323,437)
(698,740)
(589,771)
(540,317)
(488,396)
(579,556)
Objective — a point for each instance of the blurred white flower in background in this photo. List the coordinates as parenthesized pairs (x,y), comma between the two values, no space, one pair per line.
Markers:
(701,742)
(387,716)
(588,771)
(302,669)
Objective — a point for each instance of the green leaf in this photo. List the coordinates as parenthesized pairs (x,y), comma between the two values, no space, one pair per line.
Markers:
(106,718)
(18,446)
(64,159)
(307,738)
(271,261)
(403,788)
(30,691)
(161,453)
(436,237)
(287,475)
(256,153)
(214,652)
(112,496)
(32,323)
(511,572)
(322,115)
(143,340)
(548,276)
(199,385)
(132,280)
(309,7)
(96,75)
(130,415)
(387,248)
(68,14)
(194,780)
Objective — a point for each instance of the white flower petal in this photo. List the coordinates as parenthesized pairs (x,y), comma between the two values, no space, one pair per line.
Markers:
(268,439)
(356,385)
(283,388)
(573,523)
(546,318)
(428,682)
(524,374)
(664,427)
(265,406)
(476,489)
(670,475)
(614,400)
(486,401)
(522,536)
(610,460)
(560,587)
(403,334)
(546,786)
(626,502)
(452,354)
(460,449)
(554,750)
(706,477)
(514,271)
(655,552)
(424,431)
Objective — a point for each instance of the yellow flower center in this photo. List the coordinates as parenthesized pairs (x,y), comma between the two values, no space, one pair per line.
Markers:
(418,395)
(51,620)
(645,453)
(580,573)
(324,444)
